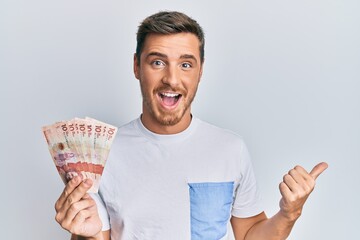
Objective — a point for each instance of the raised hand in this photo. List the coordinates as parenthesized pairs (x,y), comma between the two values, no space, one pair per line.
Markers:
(76,211)
(295,189)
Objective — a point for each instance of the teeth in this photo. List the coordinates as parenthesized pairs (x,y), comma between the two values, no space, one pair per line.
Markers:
(170,94)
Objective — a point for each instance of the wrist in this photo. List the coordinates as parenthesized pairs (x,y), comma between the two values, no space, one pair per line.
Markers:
(98,236)
(291,217)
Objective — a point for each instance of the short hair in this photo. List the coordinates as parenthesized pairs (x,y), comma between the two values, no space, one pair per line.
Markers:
(166,23)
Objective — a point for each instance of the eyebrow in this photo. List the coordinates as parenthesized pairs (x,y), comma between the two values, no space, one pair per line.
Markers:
(184,56)
(188,56)
(157,54)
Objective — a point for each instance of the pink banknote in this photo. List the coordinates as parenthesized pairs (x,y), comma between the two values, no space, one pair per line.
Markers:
(80,147)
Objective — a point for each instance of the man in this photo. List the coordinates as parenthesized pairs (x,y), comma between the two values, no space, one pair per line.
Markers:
(170,175)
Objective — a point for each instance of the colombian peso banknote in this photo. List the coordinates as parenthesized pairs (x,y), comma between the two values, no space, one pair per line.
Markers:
(80,147)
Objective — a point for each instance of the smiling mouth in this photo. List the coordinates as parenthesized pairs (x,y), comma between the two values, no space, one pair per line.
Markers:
(169,99)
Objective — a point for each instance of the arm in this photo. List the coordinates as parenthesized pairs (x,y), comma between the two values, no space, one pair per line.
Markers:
(105,235)
(77,212)
(295,189)
(260,227)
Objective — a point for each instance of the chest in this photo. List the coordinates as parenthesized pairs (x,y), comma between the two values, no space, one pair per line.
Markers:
(159,190)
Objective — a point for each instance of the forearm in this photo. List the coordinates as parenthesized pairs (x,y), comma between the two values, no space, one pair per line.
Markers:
(277,227)
(99,236)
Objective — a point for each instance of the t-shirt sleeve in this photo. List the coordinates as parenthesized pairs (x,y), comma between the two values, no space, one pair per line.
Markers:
(247,202)
(104,216)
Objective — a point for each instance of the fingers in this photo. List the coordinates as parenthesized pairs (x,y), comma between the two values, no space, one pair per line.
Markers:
(303,179)
(69,202)
(296,187)
(300,182)
(296,184)
(318,169)
(78,213)
(69,188)
(74,190)
(78,193)
(299,177)
(285,190)
(290,182)
(77,208)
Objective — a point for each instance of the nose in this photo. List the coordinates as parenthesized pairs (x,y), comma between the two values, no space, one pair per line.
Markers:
(171,77)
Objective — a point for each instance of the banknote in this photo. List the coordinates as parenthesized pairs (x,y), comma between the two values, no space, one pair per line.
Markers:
(80,147)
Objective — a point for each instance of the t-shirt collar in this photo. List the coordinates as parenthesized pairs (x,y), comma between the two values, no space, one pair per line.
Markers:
(167,138)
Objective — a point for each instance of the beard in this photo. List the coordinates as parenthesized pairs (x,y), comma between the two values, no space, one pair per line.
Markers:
(162,116)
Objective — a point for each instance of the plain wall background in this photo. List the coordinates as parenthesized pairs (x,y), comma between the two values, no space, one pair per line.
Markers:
(283,74)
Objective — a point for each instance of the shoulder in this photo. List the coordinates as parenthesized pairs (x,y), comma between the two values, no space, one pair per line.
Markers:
(125,132)
(221,135)
(129,128)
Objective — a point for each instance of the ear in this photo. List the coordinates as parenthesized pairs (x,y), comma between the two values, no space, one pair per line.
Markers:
(201,70)
(136,67)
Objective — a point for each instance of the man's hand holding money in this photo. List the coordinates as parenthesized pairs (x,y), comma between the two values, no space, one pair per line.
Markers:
(76,211)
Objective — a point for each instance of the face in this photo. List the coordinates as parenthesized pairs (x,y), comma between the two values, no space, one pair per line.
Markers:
(169,73)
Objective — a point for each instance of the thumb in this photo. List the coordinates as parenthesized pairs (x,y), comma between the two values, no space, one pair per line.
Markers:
(318,169)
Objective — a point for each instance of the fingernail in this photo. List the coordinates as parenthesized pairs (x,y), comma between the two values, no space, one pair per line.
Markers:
(75,179)
(87,183)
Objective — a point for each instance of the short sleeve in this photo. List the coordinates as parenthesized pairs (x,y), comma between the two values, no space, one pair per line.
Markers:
(247,202)
(104,216)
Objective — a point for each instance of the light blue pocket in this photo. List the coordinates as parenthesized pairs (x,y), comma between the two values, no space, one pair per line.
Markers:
(210,207)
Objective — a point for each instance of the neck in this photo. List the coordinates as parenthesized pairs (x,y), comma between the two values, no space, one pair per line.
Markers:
(154,126)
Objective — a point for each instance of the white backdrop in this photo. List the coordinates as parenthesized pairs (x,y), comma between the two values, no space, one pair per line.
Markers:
(283,74)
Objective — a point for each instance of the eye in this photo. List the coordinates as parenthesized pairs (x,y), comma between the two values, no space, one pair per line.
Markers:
(157,63)
(186,65)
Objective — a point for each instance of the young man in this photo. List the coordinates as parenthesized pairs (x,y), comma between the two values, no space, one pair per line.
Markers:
(169,174)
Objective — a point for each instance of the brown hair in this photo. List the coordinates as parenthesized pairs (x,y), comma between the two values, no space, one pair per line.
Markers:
(168,23)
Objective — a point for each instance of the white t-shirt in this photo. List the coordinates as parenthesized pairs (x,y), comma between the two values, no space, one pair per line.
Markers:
(180,186)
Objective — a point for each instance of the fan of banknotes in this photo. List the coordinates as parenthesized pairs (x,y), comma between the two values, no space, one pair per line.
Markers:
(80,147)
